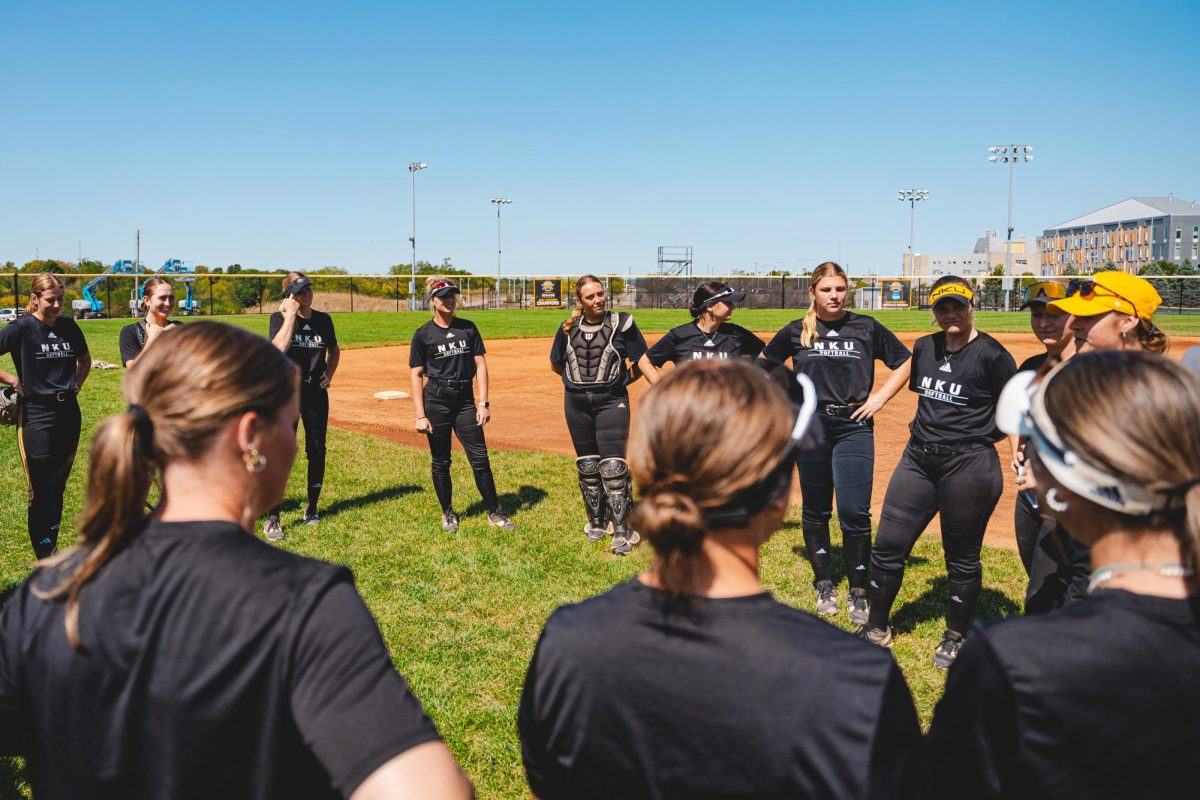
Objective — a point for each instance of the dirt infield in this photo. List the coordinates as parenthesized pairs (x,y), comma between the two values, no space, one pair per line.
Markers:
(527,405)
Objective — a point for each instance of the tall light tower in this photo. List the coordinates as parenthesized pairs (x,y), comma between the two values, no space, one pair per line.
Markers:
(413,169)
(499,202)
(1010,154)
(912,196)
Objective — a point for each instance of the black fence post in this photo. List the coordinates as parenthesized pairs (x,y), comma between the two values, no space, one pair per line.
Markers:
(108,291)
(397,282)
(351,294)
(16,291)
(211,310)
(260,293)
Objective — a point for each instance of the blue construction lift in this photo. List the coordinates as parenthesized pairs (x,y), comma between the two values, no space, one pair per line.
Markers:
(92,306)
(190,304)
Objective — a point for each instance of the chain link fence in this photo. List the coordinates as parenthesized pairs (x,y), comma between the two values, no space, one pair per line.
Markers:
(209,294)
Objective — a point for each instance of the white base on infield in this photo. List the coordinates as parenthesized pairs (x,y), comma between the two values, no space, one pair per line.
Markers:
(390,394)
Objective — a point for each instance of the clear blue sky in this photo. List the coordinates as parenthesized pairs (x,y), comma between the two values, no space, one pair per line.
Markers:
(278,134)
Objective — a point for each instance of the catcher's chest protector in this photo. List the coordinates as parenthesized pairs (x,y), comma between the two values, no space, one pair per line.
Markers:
(591,358)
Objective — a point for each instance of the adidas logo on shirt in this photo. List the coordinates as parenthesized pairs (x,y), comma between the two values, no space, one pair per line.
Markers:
(306,328)
(51,336)
(449,334)
(831,335)
(945,367)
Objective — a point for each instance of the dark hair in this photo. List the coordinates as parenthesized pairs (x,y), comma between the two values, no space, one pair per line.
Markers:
(703,292)
(182,392)
(709,430)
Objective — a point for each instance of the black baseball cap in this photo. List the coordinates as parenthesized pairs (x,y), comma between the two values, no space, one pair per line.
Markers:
(297,286)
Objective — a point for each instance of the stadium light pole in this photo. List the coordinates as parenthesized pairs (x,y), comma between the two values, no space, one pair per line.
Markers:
(499,202)
(1010,154)
(912,196)
(413,169)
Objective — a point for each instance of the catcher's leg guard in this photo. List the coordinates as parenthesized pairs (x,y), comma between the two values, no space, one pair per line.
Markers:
(592,488)
(614,472)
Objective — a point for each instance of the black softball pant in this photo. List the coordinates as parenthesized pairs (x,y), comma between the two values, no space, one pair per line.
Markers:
(314,414)
(1058,566)
(598,422)
(843,460)
(47,438)
(453,410)
(964,487)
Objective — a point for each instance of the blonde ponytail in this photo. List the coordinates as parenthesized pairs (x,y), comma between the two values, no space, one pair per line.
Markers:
(44,281)
(808,327)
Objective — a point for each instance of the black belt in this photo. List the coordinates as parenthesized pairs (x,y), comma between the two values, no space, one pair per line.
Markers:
(593,389)
(943,450)
(836,409)
(55,397)
(451,383)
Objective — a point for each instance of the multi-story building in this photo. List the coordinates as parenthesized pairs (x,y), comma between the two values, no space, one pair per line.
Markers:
(1132,234)
(987,255)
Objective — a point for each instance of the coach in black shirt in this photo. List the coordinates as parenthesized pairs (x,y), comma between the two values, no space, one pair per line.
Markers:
(174,655)
(690,680)
(1099,699)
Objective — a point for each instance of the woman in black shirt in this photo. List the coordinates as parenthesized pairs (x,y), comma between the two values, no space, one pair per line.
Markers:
(589,352)
(52,361)
(308,338)
(172,653)
(1100,698)
(710,334)
(838,349)
(690,680)
(448,351)
(950,466)
(158,300)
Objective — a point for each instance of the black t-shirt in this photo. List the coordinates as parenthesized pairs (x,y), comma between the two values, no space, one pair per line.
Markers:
(311,340)
(957,392)
(44,355)
(215,665)
(628,342)
(133,339)
(841,361)
(688,342)
(741,697)
(1098,699)
(1033,363)
(447,352)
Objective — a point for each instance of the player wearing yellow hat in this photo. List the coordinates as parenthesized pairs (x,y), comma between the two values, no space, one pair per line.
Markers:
(1114,311)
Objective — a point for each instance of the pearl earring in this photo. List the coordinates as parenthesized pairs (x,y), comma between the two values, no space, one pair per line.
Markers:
(1056,505)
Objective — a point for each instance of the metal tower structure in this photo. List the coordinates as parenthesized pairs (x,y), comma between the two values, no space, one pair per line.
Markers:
(675,269)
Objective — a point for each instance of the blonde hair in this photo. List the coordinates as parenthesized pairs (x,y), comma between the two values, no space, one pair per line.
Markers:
(1161,453)
(577,311)
(709,430)
(182,392)
(808,328)
(148,287)
(43,281)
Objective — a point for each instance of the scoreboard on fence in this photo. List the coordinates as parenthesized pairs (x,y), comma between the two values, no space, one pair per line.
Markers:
(548,293)
(893,294)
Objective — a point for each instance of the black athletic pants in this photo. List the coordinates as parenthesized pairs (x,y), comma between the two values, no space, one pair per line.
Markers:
(47,438)
(843,460)
(598,422)
(964,487)
(453,410)
(314,413)
(1058,566)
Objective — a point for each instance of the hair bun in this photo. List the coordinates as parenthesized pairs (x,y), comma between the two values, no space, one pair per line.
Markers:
(670,519)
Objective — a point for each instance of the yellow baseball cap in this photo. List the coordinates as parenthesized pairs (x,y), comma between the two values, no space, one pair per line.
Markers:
(1112,291)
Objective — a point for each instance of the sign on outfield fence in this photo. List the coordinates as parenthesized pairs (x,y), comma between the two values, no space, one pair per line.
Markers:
(549,294)
(895,294)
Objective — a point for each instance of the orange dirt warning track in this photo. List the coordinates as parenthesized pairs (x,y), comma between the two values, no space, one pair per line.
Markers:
(527,407)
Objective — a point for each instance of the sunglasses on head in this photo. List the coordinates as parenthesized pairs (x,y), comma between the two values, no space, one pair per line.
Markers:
(1048,290)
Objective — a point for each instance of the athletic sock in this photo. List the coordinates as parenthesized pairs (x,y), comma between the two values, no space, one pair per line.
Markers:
(856,549)
(816,542)
(882,591)
(963,597)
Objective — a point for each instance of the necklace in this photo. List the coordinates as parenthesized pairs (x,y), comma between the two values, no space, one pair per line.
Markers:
(1166,569)
(708,340)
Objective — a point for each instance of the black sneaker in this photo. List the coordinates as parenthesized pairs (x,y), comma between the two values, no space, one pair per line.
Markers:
(450,521)
(860,608)
(312,518)
(947,651)
(826,598)
(876,636)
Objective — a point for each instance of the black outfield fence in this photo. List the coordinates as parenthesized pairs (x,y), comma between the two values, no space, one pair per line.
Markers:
(241,293)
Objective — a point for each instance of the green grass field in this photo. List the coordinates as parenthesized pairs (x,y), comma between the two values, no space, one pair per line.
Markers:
(461,612)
